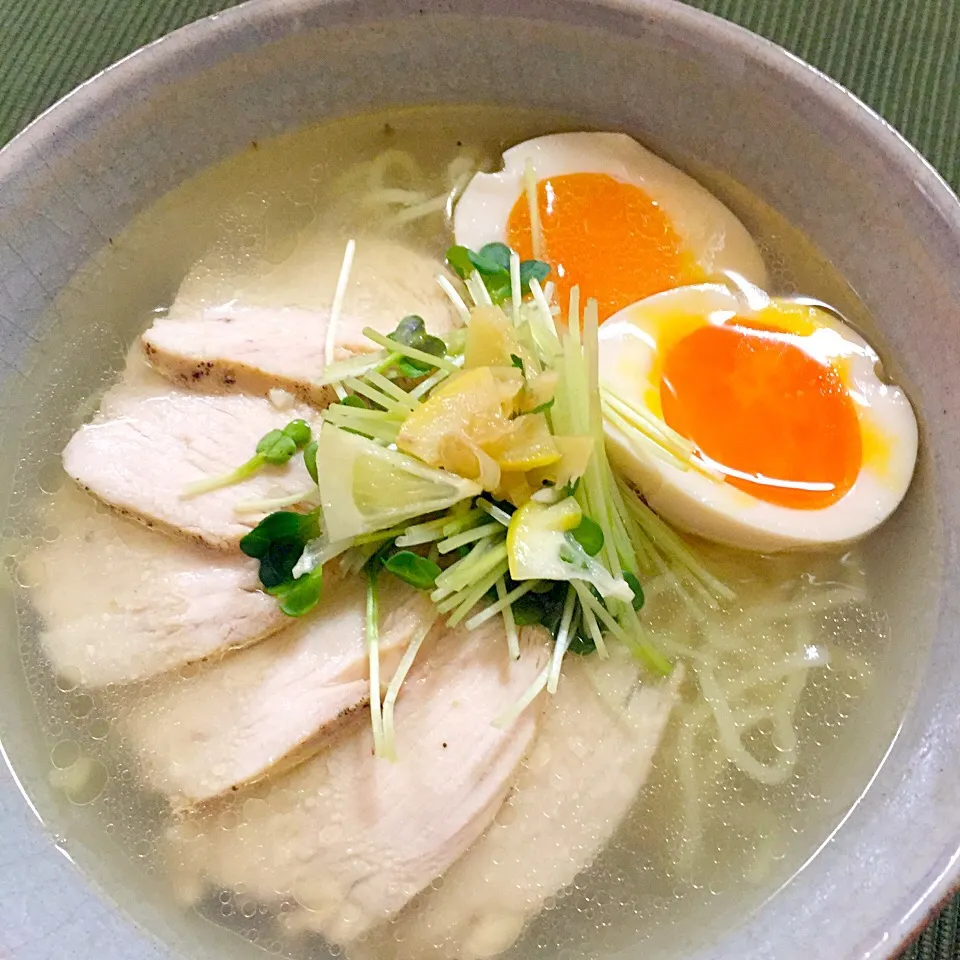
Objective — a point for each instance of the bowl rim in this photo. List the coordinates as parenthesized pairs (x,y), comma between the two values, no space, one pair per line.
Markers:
(254,23)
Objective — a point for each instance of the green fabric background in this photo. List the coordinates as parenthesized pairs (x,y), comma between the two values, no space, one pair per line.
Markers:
(900,56)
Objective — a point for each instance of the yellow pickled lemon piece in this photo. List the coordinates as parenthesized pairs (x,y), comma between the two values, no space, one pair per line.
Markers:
(510,384)
(537,391)
(575,453)
(465,398)
(526,444)
(535,535)
(461,455)
(491,339)
(534,519)
(514,487)
(365,487)
(540,546)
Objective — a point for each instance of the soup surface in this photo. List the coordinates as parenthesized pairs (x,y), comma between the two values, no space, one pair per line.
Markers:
(707,839)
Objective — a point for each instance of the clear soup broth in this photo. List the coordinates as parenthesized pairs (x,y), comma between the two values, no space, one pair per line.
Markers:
(704,842)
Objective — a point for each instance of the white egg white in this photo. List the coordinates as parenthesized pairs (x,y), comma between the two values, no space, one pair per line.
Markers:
(708,230)
(704,504)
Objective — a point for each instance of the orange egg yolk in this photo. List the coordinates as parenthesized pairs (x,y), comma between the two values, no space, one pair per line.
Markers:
(607,237)
(780,424)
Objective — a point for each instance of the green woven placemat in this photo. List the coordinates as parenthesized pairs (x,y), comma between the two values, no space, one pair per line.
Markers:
(900,56)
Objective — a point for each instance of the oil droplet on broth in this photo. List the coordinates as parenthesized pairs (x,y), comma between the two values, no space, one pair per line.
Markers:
(99,728)
(65,754)
(81,705)
(50,478)
(82,782)
(27,576)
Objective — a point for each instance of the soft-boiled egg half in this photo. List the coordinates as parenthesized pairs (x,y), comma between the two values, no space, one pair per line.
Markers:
(792,438)
(611,217)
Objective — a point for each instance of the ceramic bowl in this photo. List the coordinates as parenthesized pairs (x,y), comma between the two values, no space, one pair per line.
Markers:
(675,77)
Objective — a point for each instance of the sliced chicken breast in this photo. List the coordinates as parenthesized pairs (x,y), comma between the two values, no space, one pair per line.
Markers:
(143,449)
(590,759)
(251,345)
(253,350)
(352,837)
(388,280)
(120,603)
(272,704)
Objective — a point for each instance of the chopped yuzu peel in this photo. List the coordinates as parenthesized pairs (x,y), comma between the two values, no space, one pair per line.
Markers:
(480,423)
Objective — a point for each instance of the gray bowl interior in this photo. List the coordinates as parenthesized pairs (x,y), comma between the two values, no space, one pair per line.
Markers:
(674,77)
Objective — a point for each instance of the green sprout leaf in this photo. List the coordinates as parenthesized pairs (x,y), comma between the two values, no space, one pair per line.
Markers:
(410,567)
(310,459)
(492,263)
(542,605)
(410,368)
(498,286)
(274,448)
(634,584)
(278,446)
(518,363)
(278,541)
(581,644)
(412,332)
(589,535)
(459,259)
(533,270)
(528,609)
(299,432)
(298,597)
(497,254)
(375,564)
(489,266)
